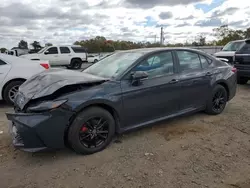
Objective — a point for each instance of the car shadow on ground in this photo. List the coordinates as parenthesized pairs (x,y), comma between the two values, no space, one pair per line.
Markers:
(167,129)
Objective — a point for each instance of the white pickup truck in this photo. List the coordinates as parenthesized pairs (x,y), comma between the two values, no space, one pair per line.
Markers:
(69,56)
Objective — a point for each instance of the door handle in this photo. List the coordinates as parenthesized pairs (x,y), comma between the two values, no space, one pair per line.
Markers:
(209,74)
(173,81)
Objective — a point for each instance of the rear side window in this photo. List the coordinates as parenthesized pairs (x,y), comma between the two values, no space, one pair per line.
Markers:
(188,60)
(2,62)
(78,49)
(64,50)
(204,62)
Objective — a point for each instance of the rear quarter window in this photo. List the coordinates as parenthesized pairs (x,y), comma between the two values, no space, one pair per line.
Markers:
(78,49)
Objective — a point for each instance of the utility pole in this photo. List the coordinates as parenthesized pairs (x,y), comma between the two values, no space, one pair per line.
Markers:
(161,38)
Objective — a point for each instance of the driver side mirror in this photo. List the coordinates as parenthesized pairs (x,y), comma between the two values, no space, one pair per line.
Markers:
(137,76)
(46,52)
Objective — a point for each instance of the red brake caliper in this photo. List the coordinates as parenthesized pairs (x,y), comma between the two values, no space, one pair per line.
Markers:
(84,128)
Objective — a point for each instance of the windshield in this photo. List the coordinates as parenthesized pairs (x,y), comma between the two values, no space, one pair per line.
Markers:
(113,65)
(233,46)
(42,50)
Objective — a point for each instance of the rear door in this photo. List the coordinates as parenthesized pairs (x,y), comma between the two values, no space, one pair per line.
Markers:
(65,55)
(194,79)
(157,96)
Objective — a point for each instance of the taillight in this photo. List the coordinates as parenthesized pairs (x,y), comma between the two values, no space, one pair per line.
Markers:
(234,70)
(45,65)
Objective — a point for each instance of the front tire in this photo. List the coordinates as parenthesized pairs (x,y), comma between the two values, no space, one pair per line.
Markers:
(91,131)
(217,101)
(11,90)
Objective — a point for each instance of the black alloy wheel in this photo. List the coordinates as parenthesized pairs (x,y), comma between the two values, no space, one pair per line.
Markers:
(218,100)
(94,132)
(91,131)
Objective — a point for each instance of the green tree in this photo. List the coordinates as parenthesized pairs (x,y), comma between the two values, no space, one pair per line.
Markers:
(23,44)
(3,50)
(36,45)
(48,44)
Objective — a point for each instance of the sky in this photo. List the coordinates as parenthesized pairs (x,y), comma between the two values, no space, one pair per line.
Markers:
(66,21)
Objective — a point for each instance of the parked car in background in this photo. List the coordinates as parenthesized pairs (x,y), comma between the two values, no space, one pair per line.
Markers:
(121,92)
(69,56)
(229,50)
(15,71)
(17,52)
(93,58)
(242,62)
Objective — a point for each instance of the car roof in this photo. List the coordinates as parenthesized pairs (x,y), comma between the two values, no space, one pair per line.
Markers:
(156,49)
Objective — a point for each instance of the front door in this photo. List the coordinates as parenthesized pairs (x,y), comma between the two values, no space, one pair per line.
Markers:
(51,54)
(195,79)
(154,97)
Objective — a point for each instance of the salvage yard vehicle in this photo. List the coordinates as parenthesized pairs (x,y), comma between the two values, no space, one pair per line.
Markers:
(69,56)
(93,58)
(230,49)
(242,63)
(124,91)
(15,71)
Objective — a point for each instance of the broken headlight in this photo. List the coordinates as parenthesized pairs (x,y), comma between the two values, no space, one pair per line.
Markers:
(46,105)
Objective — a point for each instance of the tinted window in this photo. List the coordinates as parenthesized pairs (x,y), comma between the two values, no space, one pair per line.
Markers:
(204,61)
(78,50)
(157,65)
(52,50)
(246,48)
(188,60)
(64,50)
(2,62)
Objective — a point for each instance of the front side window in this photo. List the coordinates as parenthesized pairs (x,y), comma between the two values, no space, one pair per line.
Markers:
(246,48)
(188,60)
(157,65)
(52,50)
(64,50)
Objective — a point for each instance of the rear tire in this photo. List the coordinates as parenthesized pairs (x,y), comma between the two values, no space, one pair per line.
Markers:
(217,101)
(10,89)
(75,64)
(242,80)
(86,135)
(95,61)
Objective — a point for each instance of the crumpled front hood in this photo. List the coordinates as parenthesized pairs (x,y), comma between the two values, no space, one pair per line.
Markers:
(49,81)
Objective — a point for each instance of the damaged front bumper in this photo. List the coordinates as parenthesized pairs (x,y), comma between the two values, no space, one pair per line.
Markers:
(34,132)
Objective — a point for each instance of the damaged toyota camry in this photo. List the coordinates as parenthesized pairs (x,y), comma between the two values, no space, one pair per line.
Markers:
(127,90)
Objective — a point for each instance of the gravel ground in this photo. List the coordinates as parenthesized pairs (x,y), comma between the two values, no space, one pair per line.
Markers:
(189,152)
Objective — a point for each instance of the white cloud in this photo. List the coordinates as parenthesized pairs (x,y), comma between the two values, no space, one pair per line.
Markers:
(65,21)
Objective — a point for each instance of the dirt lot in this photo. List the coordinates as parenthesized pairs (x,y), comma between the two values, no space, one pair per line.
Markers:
(190,152)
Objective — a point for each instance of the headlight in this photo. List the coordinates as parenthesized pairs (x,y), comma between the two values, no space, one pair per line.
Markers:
(47,105)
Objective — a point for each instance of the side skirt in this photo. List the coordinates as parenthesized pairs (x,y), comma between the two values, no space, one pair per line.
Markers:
(141,125)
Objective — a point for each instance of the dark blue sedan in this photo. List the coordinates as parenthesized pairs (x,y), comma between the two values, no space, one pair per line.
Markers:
(126,90)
